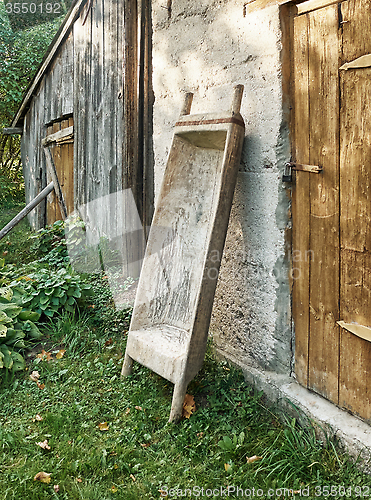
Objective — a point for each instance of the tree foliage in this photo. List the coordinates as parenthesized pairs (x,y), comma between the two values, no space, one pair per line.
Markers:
(21,53)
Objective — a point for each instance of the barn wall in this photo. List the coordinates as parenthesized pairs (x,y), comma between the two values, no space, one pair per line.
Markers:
(207,47)
(98,104)
(52,100)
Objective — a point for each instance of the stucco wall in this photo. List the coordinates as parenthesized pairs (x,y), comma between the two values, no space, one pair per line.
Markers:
(207,47)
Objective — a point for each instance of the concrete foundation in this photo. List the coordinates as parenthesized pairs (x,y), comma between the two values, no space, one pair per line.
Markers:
(293,400)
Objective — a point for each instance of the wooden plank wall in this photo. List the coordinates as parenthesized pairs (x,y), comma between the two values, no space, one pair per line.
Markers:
(109,134)
(98,104)
(52,100)
(316,201)
(102,76)
(355,214)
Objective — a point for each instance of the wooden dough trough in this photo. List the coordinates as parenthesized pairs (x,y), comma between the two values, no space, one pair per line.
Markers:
(171,316)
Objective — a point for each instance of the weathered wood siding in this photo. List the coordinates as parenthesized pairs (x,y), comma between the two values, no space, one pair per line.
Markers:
(98,105)
(95,76)
(53,100)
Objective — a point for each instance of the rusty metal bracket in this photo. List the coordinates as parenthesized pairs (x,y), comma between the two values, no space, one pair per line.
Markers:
(290,166)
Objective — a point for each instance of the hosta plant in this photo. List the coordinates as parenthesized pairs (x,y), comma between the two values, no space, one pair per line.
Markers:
(47,291)
(16,326)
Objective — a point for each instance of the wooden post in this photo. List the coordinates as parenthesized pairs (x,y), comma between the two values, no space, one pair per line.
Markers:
(237,98)
(22,214)
(145,159)
(133,245)
(186,108)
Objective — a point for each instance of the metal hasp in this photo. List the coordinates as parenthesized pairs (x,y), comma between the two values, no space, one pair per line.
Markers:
(169,327)
(290,166)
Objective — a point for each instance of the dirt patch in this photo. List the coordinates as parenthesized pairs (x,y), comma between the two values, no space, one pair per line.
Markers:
(47,346)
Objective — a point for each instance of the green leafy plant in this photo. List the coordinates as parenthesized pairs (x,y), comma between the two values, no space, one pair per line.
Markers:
(232,445)
(16,325)
(47,291)
(10,190)
(50,239)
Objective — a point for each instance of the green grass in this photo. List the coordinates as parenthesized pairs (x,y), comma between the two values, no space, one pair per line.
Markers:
(14,247)
(141,452)
(141,455)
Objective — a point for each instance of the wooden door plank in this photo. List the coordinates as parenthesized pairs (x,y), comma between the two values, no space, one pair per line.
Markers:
(355,360)
(50,207)
(65,169)
(52,204)
(324,205)
(64,134)
(312,5)
(300,201)
(355,181)
(56,154)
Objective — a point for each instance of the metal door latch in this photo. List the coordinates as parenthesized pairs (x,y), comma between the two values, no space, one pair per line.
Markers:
(290,166)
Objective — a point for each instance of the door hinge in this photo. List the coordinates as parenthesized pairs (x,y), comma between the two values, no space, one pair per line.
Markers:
(290,166)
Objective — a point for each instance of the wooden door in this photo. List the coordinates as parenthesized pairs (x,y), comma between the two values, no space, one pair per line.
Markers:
(331,251)
(63,159)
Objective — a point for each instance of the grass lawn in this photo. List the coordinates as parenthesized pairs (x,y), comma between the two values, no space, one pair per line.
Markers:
(109,438)
(14,245)
(70,416)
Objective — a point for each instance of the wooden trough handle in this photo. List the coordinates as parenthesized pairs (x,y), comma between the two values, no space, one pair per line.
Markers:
(237,98)
(186,108)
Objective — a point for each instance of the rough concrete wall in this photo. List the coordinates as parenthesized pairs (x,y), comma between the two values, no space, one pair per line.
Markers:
(207,47)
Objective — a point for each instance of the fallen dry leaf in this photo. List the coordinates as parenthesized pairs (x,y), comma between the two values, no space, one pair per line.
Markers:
(200,435)
(79,480)
(35,375)
(108,342)
(38,418)
(253,459)
(60,353)
(103,426)
(43,477)
(145,445)
(189,406)
(40,386)
(127,411)
(139,408)
(132,477)
(44,445)
(56,488)
(43,354)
